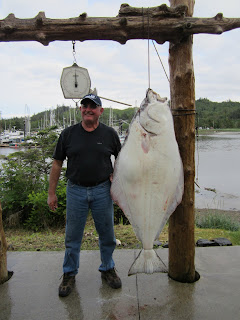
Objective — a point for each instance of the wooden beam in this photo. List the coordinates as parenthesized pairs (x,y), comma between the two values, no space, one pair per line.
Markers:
(182,90)
(159,23)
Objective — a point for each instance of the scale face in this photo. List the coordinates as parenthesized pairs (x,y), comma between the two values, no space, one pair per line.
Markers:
(75,82)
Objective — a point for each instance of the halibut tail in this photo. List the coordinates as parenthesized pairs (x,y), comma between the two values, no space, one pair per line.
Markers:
(147,262)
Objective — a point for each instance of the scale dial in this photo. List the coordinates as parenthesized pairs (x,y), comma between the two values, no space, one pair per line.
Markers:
(75,82)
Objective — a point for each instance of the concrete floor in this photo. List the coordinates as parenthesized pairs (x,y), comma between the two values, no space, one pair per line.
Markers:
(32,292)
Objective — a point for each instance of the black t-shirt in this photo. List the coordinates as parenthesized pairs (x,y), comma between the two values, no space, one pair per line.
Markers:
(88,153)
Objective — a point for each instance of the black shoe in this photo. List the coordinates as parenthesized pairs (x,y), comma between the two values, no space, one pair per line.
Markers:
(66,285)
(112,278)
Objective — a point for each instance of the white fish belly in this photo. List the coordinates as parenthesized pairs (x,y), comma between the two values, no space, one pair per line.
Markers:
(148,184)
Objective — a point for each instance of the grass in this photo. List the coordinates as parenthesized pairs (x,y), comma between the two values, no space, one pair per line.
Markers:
(217,221)
(24,240)
(53,240)
(210,131)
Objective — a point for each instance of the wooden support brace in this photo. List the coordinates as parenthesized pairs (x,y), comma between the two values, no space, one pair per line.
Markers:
(3,252)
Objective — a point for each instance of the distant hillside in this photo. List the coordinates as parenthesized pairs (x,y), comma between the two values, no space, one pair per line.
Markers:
(218,115)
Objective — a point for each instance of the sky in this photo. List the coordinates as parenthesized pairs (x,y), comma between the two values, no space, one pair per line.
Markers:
(30,72)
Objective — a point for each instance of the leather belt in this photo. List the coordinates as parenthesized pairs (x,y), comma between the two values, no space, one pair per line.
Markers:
(89,184)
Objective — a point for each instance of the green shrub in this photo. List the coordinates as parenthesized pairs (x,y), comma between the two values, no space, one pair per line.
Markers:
(17,179)
(119,216)
(40,217)
(217,221)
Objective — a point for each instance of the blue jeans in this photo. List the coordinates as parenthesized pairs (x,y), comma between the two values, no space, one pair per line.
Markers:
(79,200)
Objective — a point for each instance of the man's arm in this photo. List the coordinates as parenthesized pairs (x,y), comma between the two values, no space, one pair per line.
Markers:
(53,181)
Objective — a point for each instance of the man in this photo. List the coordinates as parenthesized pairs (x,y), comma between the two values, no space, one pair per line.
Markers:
(88,147)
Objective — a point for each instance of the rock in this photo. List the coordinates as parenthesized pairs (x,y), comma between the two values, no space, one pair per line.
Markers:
(206,243)
(213,242)
(157,243)
(165,245)
(222,241)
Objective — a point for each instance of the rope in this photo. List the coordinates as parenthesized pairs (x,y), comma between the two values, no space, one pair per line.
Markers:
(149,47)
(142,24)
(184,112)
(149,86)
(160,60)
(183,109)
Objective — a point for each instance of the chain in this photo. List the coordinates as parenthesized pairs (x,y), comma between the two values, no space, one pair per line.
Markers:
(74,61)
(74,52)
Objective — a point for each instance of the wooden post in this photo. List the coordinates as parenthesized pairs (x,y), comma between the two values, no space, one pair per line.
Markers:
(3,252)
(182,87)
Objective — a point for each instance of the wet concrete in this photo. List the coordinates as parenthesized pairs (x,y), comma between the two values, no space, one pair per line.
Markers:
(32,292)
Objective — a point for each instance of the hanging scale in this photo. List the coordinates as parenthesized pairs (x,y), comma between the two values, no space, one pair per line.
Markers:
(75,81)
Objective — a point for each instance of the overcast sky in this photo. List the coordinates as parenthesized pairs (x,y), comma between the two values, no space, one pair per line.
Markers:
(30,72)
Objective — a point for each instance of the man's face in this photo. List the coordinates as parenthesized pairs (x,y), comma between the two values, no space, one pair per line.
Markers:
(90,112)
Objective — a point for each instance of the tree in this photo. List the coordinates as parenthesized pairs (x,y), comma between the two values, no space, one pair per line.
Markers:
(26,172)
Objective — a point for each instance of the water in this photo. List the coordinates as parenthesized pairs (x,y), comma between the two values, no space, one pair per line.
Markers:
(6,150)
(217,159)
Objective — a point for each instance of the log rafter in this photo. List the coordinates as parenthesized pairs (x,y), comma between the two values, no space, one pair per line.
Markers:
(159,23)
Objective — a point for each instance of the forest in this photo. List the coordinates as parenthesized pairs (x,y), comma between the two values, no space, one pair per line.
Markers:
(218,115)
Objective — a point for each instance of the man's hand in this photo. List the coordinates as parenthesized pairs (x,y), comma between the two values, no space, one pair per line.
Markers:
(53,181)
(52,202)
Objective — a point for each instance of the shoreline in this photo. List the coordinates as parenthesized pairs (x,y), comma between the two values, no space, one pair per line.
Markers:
(234,215)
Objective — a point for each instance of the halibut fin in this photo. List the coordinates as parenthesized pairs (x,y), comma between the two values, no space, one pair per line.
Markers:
(147,261)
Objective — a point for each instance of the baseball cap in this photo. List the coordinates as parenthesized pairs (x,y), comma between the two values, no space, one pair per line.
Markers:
(94,98)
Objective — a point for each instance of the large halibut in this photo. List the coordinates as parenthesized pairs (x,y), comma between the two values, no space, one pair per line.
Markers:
(148,178)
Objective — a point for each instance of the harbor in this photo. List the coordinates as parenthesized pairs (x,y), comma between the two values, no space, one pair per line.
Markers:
(11,138)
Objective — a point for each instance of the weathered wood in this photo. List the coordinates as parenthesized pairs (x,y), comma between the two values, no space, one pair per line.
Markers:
(3,252)
(159,23)
(181,223)
(159,11)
